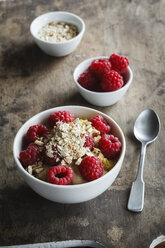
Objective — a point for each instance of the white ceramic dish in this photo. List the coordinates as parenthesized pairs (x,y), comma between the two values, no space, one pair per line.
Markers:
(159,241)
(69,193)
(61,244)
(57,49)
(101,98)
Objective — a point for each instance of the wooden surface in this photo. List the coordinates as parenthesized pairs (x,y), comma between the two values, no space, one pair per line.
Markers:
(31,82)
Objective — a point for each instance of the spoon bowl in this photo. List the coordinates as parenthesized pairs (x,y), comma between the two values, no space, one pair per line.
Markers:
(147,126)
(146,130)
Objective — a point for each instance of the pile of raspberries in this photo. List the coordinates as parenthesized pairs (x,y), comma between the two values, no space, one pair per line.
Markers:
(105,75)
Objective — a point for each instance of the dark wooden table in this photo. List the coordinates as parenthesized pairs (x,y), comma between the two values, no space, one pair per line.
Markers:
(31,81)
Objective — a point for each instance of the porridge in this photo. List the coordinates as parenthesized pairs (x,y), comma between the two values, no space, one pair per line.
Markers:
(71,151)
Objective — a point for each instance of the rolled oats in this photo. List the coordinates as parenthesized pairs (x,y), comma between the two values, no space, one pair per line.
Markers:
(70,139)
(57,32)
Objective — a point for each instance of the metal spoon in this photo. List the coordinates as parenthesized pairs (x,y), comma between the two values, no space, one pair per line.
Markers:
(146,130)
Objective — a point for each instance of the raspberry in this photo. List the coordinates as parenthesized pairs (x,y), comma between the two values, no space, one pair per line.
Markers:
(60,174)
(119,63)
(89,142)
(52,160)
(100,124)
(109,145)
(87,80)
(112,81)
(99,67)
(35,132)
(64,116)
(91,168)
(30,155)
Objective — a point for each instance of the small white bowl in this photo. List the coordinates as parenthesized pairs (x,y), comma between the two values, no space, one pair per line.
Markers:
(69,193)
(101,98)
(57,49)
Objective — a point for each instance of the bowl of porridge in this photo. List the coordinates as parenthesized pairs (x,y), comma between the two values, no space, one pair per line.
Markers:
(57,33)
(69,154)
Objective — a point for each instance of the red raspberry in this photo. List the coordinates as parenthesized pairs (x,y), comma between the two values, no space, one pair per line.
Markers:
(87,80)
(89,142)
(35,132)
(109,145)
(99,67)
(60,174)
(64,116)
(52,160)
(91,168)
(112,81)
(30,155)
(119,63)
(100,124)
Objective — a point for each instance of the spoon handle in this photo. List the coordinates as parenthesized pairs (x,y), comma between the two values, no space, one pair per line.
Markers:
(136,198)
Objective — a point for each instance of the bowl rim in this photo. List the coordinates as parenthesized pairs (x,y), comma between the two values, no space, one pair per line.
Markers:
(101,93)
(61,42)
(20,167)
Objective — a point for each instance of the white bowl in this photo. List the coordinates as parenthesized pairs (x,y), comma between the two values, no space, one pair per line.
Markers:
(57,49)
(101,98)
(69,193)
(158,241)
